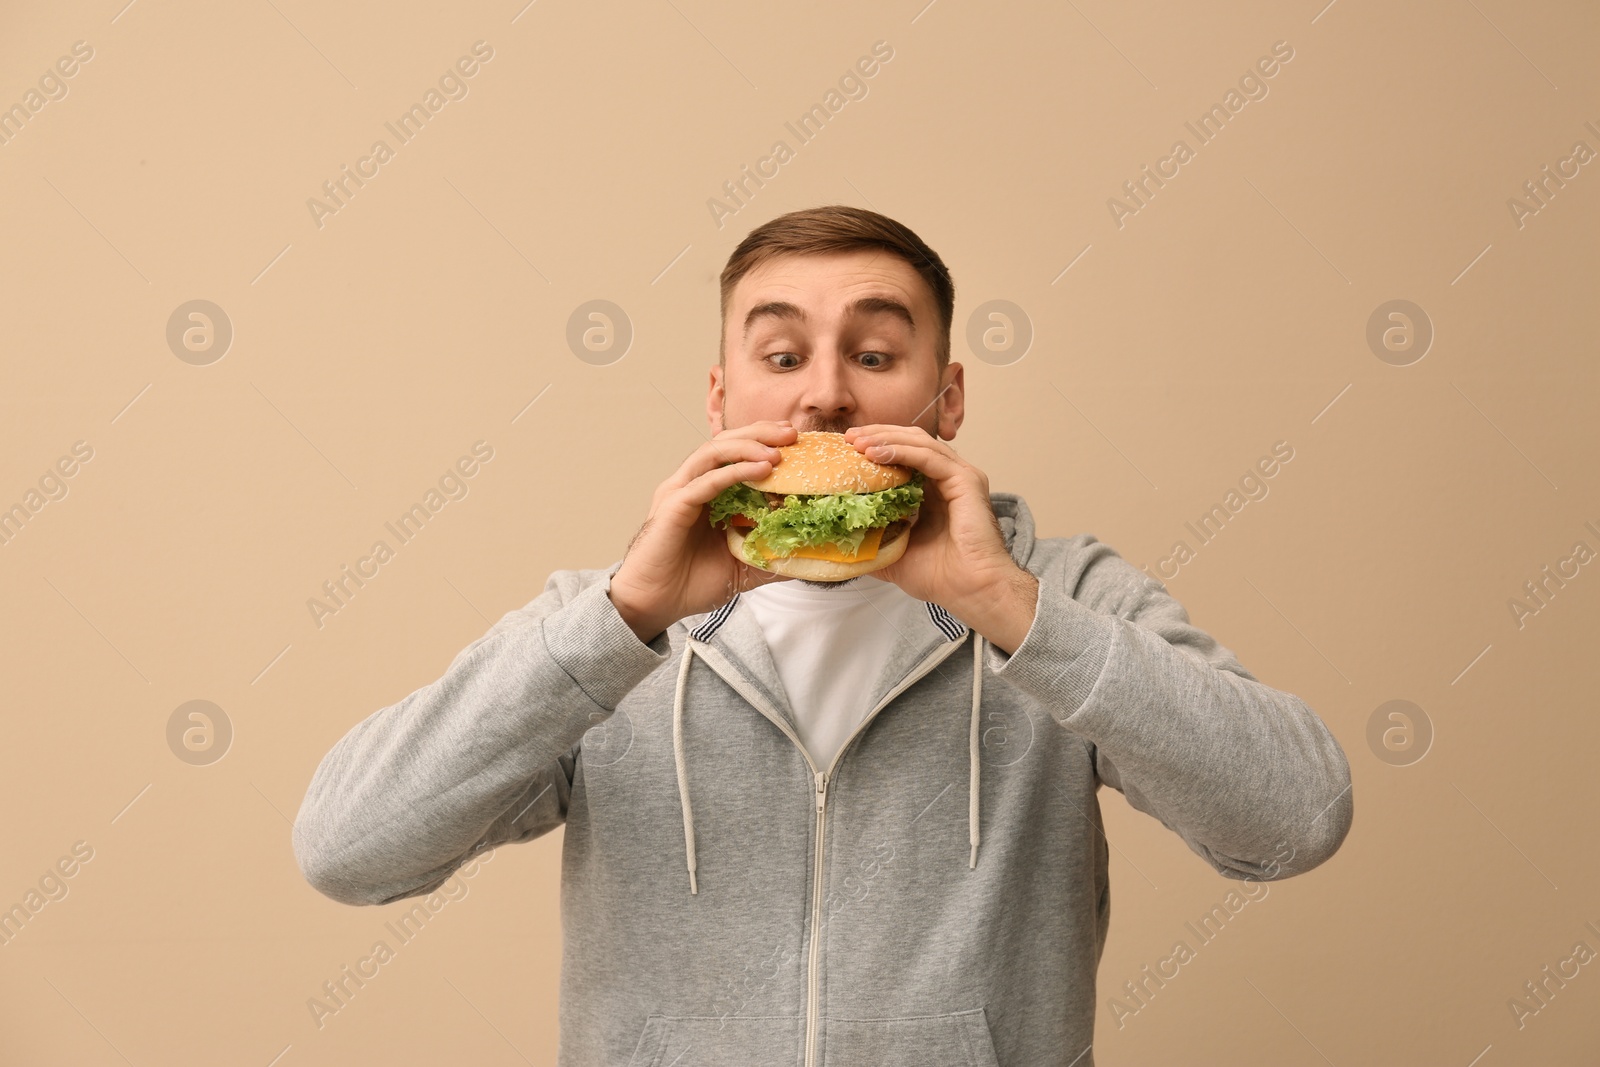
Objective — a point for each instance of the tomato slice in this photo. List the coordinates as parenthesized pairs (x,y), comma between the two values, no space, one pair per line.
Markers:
(740,520)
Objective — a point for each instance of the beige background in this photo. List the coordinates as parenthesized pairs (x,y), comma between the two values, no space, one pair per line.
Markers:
(369,353)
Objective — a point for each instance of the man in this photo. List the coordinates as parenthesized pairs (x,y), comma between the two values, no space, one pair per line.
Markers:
(767,857)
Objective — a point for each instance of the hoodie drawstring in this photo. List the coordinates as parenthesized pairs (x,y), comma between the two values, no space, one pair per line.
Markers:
(972,775)
(974,748)
(677,755)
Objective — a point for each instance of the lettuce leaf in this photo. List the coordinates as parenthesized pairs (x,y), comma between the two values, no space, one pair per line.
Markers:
(738,499)
(841,519)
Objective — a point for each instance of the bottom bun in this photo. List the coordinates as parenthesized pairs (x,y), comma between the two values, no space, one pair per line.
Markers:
(897,534)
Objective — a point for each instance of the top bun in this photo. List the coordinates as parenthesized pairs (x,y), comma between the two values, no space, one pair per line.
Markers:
(822,462)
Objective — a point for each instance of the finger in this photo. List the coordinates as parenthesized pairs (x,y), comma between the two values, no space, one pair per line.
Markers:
(879,429)
(939,464)
(704,489)
(783,429)
(865,437)
(722,450)
(765,433)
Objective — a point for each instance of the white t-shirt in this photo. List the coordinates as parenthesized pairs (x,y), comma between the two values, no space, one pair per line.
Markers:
(829,646)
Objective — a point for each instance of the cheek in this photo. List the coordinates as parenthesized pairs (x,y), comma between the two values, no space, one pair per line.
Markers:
(751,397)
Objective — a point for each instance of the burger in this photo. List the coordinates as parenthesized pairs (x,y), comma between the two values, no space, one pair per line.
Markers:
(824,513)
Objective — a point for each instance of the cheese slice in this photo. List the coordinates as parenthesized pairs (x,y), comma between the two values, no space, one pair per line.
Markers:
(868,550)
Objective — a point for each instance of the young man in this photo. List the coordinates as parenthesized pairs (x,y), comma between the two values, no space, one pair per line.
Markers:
(839,824)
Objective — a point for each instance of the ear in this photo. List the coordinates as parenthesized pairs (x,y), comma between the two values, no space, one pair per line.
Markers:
(715,397)
(952,401)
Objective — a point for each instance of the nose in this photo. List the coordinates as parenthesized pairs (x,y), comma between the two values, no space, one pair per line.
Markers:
(826,398)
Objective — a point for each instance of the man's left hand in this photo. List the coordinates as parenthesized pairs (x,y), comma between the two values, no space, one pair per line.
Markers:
(956,553)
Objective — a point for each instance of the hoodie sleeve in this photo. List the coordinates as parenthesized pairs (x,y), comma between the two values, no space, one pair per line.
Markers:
(1248,776)
(481,757)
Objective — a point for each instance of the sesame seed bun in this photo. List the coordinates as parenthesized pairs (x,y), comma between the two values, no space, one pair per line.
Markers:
(821,462)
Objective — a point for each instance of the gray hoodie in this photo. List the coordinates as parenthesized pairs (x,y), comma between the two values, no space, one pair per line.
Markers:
(938,895)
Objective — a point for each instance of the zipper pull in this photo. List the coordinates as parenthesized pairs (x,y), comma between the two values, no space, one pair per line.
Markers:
(822,788)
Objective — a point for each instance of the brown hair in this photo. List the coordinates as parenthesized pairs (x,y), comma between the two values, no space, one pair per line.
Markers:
(840,228)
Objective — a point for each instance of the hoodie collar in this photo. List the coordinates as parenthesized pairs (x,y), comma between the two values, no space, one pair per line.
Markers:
(734,630)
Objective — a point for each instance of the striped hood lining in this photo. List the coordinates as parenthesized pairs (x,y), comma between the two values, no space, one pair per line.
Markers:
(715,620)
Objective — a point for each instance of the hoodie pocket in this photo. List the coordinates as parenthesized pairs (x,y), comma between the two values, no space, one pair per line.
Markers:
(717,1041)
(960,1039)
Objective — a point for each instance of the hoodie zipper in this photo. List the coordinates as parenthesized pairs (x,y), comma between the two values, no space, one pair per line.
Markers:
(812,999)
(928,663)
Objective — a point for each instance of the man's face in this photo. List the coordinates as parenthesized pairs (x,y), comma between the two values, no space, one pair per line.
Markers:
(835,341)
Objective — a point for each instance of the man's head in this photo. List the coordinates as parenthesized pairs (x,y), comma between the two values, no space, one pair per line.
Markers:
(834,317)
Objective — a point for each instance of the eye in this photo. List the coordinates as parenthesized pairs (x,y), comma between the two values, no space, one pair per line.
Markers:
(780,355)
(883,359)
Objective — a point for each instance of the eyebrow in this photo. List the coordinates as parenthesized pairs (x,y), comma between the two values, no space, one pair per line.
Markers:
(867,305)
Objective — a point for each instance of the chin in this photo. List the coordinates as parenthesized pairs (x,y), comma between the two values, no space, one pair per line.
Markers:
(826,585)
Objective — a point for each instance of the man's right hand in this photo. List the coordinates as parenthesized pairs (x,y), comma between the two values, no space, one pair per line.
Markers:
(678,564)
